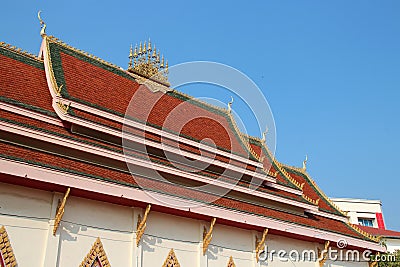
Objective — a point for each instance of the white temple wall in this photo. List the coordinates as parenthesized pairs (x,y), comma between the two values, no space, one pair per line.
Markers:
(392,244)
(166,232)
(25,213)
(28,215)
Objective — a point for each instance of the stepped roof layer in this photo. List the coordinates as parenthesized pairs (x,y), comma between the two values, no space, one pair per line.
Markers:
(38,128)
(380,232)
(94,83)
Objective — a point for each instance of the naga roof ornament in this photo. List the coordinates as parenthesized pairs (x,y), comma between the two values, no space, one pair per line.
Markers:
(147,62)
(305,163)
(42,25)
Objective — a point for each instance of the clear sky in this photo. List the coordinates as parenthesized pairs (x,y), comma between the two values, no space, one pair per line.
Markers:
(330,70)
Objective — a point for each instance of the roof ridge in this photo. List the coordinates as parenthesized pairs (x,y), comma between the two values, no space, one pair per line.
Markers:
(254,138)
(287,175)
(364,233)
(247,144)
(84,53)
(62,43)
(19,51)
(301,170)
(295,168)
(224,110)
(279,168)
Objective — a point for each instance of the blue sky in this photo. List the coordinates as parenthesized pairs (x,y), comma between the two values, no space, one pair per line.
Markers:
(330,71)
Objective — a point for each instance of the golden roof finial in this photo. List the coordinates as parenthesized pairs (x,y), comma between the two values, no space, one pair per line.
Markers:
(305,163)
(42,25)
(144,48)
(147,63)
(130,57)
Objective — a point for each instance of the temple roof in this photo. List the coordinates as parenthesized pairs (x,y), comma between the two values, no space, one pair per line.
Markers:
(380,232)
(91,82)
(49,97)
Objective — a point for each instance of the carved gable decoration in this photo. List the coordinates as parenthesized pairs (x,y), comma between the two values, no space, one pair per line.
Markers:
(231,263)
(7,258)
(171,260)
(96,257)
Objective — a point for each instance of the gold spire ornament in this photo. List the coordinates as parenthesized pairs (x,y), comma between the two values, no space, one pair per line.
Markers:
(162,62)
(130,57)
(149,46)
(42,25)
(146,63)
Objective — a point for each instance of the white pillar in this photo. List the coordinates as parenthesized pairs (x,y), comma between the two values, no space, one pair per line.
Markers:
(52,243)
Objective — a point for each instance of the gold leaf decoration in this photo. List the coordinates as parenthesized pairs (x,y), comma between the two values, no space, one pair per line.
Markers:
(171,260)
(6,251)
(96,255)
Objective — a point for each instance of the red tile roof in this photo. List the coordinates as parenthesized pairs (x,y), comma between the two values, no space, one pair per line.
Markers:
(90,83)
(68,165)
(64,132)
(23,82)
(268,162)
(380,232)
(311,191)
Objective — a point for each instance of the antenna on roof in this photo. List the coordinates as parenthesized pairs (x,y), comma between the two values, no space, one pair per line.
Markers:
(42,25)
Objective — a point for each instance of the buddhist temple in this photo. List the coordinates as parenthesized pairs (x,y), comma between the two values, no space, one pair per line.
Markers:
(83,184)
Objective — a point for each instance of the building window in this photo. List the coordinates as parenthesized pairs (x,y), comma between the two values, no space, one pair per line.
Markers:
(366,222)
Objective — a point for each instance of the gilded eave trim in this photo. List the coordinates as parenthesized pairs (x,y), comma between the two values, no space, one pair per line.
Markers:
(318,190)
(20,55)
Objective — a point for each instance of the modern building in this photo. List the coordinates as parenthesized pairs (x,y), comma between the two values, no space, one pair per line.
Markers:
(89,177)
(362,211)
(368,215)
